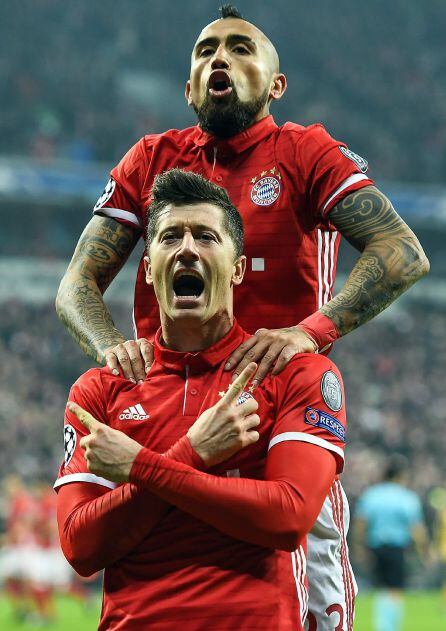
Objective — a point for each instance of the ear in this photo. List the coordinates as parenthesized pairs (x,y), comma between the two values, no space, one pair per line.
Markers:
(187,93)
(278,87)
(148,270)
(239,270)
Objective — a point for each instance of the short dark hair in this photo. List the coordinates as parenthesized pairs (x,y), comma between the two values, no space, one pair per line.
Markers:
(229,11)
(184,188)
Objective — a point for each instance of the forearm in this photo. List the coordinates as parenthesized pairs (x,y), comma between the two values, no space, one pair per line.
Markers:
(103,248)
(96,531)
(385,270)
(391,260)
(271,513)
(81,308)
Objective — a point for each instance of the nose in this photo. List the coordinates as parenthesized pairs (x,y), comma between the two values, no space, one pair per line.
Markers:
(187,252)
(220,59)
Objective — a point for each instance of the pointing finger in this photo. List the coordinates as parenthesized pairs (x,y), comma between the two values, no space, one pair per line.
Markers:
(237,386)
(85,417)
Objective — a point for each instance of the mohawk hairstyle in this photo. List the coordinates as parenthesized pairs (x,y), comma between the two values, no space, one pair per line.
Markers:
(184,188)
(229,11)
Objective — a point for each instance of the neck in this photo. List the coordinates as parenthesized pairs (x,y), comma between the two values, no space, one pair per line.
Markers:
(189,335)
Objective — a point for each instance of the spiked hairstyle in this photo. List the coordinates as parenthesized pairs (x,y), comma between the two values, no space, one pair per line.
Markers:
(184,188)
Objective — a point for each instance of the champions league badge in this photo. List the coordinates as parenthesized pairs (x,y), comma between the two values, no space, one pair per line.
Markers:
(361,163)
(267,189)
(331,391)
(69,441)
(108,192)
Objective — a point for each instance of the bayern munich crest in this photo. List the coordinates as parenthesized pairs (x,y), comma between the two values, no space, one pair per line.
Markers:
(266,189)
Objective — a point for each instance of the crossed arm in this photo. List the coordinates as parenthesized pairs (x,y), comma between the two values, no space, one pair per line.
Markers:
(97,527)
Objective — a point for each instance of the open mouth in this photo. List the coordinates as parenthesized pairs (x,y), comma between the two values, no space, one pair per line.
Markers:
(220,84)
(188,286)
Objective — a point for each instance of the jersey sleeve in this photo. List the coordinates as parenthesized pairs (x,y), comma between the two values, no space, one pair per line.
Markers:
(121,198)
(330,170)
(310,405)
(88,393)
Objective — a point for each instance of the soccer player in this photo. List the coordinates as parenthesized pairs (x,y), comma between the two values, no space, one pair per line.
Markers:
(297,189)
(229,553)
(389,517)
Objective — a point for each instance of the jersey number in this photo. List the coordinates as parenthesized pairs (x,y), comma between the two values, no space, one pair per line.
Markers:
(312,622)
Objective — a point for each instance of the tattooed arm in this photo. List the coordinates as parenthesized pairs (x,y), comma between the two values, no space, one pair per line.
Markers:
(391,260)
(102,250)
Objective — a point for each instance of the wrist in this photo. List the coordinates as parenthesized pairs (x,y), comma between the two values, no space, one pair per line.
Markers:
(183,451)
(321,329)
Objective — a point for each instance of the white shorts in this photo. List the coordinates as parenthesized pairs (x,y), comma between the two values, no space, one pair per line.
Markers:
(332,585)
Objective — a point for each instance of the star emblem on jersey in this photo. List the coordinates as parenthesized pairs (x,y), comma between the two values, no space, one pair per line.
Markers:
(361,163)
(331,390)
(69,442)
(108,192)
(244,396)
(134,413)
(266,189)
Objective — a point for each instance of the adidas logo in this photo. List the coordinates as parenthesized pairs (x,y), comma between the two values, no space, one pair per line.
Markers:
(134,413)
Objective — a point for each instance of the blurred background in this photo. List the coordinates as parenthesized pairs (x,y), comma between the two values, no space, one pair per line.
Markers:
(81,82)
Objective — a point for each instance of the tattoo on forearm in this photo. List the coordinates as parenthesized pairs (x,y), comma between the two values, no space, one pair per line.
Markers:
(392,258)
(101,252)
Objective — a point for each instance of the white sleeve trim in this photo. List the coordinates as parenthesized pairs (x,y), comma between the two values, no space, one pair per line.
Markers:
(84,477)
(306,438)
(352,179)
(117,213)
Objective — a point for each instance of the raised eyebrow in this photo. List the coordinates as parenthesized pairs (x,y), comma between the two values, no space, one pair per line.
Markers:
(235,38)
(207,41)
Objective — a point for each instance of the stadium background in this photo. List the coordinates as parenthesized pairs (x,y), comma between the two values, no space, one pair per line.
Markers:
(82,81)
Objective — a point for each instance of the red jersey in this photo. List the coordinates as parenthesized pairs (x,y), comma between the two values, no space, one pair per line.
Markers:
(283,180)
(186,571)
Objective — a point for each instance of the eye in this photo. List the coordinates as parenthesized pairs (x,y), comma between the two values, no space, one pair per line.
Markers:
(207,236)
(168,237)
(206,52)
(241,50)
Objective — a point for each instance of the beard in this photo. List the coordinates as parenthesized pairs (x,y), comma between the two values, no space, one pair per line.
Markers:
(228,118)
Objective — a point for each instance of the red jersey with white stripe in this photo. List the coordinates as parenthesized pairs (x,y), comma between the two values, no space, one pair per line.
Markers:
(284,182)
(187,572)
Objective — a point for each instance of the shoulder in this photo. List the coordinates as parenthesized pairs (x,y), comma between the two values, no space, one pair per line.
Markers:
(172,136)
(308,377)
(306,367)
(88,380)
(95,381)
(306,135)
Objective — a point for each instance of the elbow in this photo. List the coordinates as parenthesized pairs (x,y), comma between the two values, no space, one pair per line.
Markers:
(84,565)
(291,540)
(420,265)
(423,264)
(60,301)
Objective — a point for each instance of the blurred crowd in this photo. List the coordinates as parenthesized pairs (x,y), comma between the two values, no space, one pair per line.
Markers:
(85,80)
